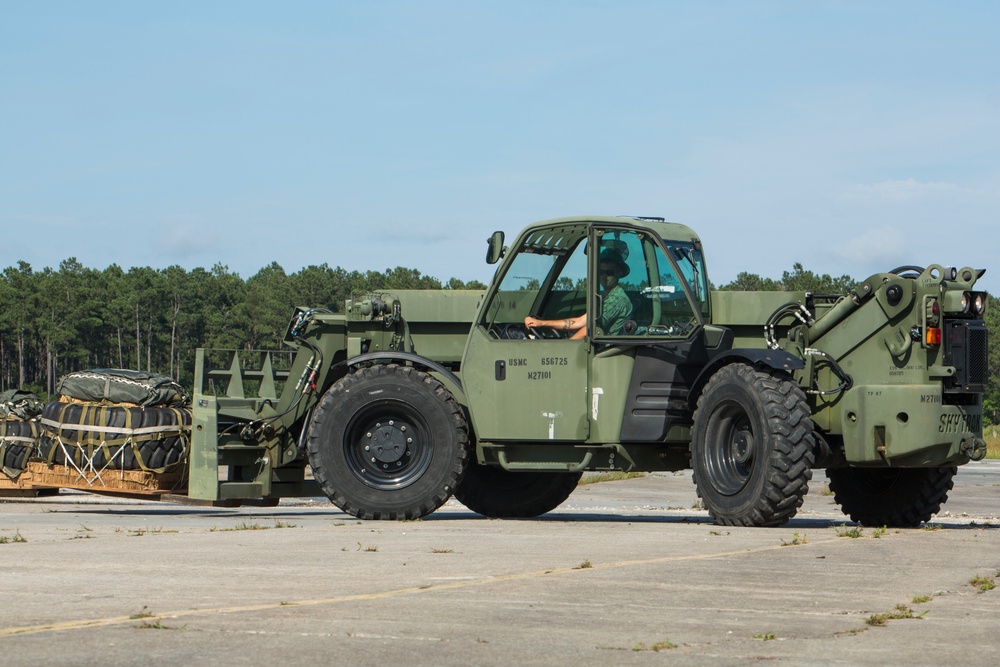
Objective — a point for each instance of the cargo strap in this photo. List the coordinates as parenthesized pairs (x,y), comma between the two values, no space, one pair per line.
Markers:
(19,440)
(95,440)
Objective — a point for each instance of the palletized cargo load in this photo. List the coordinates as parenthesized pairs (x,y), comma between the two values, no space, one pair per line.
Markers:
(114,431)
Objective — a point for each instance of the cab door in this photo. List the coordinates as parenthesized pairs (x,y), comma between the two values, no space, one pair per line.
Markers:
(527,389)
(532,385)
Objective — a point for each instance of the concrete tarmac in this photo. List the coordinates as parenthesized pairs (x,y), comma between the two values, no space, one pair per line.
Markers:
(626,572)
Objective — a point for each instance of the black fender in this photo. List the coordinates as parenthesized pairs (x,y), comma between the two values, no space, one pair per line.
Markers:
(779,360)
(451,380)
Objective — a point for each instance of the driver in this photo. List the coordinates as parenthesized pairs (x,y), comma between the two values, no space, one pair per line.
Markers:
(617,306)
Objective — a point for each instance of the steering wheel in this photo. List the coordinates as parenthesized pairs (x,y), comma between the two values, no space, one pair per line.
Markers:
(680,328)
(513,332)
(547,333)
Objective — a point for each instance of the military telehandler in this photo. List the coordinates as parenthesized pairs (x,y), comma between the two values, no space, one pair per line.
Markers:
(410,397)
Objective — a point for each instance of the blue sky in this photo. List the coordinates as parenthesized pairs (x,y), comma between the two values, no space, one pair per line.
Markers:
(850,136)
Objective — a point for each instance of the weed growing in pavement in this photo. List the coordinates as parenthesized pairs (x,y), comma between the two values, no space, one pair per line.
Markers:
(900,612)
(18,537)
(983,583)
(657,647)
(765,636)
(157,625)
(795,541)
(615,476)
(142,613)
(585,565)
(854,532)
(920,599)
(252,526)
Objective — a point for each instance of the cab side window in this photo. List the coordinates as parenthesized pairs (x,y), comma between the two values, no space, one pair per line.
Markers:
(639,289)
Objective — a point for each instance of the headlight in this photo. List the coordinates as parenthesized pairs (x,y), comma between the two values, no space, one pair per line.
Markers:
(973,303)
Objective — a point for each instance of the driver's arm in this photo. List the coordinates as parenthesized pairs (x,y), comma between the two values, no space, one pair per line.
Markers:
(575,324)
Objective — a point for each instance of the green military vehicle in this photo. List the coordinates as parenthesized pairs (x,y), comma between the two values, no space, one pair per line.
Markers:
(599,346)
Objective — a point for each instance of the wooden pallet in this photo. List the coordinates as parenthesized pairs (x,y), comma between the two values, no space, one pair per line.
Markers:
(123,482)
(17,488)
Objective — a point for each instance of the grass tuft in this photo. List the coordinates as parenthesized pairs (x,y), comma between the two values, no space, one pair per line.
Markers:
(854,532)
(657,647)
(795,541)
(142,613)
(900,612)
(983,583)
(18,538)
(614,476)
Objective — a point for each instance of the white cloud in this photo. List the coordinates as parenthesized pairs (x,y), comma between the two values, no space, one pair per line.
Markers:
(880,246)
(183,239)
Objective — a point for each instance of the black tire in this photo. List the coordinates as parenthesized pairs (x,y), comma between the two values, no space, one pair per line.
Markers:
(17,453)
(416,438)
(500,494)
(891,497)
(163,452)
(752,446)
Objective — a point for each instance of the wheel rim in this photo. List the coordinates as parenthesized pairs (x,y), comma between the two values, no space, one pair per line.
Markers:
(732,448)
(387,445)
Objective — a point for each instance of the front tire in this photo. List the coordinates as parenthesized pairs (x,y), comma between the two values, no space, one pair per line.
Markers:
(752,446)
(891,497)
(388,442)
(500,494)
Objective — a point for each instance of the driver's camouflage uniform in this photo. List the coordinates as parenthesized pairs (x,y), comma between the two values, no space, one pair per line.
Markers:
(617,308)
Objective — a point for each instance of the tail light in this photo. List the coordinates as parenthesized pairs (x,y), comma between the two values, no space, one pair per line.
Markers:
(932,337)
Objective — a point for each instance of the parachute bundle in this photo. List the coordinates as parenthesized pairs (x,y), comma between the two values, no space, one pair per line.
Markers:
(116,420)
(119,386)
(19,404)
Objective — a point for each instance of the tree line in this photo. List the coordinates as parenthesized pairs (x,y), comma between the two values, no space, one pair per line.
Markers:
(54,322)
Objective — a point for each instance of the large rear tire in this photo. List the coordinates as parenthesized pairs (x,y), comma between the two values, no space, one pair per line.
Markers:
(501,494)
(388,442)
(892,497)
(752,446)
